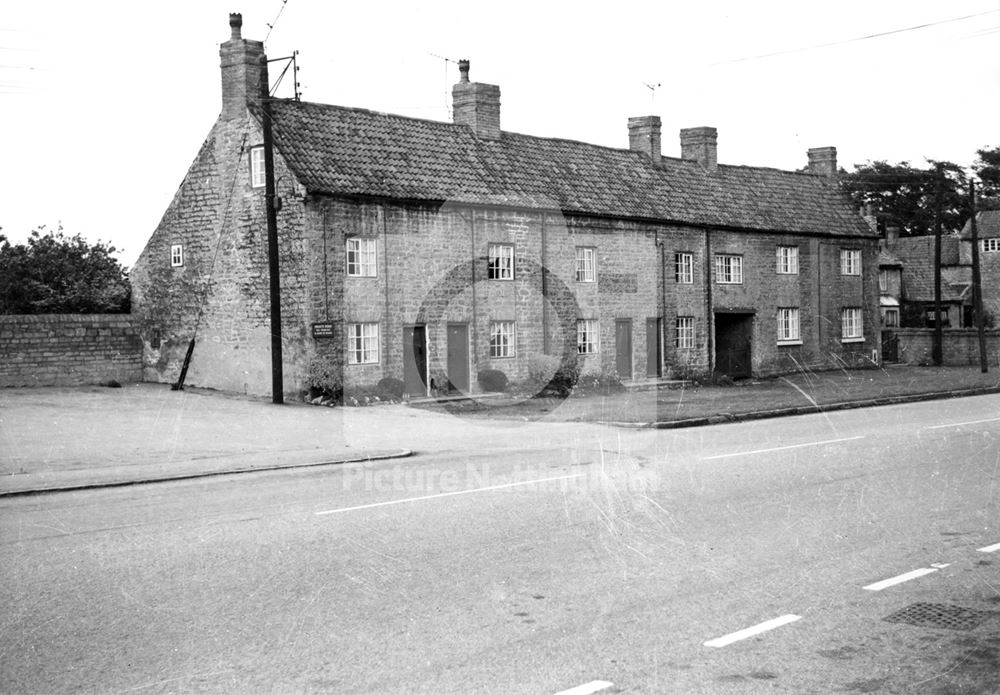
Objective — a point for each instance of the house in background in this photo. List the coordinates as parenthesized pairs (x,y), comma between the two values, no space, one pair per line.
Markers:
(429,251)
(916,255)
(988,231)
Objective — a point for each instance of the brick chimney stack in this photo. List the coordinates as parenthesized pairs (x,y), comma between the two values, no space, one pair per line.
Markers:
(244,66)
(476,105)
(701,145)
(823,161)
(644,136)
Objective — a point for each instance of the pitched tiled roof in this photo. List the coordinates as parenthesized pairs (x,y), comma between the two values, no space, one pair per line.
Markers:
(917,255)
(338,150)
(987,225)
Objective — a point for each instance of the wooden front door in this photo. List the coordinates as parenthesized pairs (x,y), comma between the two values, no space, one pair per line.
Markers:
(415,360)
(654,358)
(458,357)
(733,344)
(623,348)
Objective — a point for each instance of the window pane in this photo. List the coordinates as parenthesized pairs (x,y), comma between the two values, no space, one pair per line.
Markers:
(586,336)
(685,332)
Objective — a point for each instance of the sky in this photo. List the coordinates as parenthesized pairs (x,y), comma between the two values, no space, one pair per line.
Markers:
(105,103)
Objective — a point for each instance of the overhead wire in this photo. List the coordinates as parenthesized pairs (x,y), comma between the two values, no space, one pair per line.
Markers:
(222,229)
(270,27)
(855,39)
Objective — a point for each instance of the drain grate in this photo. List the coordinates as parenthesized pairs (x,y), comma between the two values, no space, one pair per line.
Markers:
(940,615)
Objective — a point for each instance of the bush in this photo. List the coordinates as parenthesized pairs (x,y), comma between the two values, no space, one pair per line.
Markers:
(493,380)
(606,381)
(390,389)
(541,369)
(324,378)
(565,378)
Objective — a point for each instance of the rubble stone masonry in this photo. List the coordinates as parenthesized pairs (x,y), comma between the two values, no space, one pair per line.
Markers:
(69,349)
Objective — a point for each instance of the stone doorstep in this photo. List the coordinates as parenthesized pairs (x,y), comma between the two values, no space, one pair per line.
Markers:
(652,383)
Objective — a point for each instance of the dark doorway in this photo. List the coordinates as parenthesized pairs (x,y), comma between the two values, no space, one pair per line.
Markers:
(890,347)
(458,357)
(623,348)
(654,358)
(732,344)
(415,360)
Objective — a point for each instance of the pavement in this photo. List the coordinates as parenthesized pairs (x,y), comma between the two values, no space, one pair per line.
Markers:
(54,439)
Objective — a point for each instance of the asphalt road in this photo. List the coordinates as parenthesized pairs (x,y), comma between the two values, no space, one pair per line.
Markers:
(592,560)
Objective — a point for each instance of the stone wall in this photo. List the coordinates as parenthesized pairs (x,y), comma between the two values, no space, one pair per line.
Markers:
(69,350)
(218,218)
(960,346)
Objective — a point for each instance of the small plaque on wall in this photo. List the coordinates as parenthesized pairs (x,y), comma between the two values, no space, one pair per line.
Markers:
(323,330)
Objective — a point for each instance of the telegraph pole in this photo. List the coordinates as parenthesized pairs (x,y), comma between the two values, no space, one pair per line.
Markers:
(277,380)
(977,282)
(936,349)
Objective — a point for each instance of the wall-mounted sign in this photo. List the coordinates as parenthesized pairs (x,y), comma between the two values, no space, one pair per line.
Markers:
(323,330)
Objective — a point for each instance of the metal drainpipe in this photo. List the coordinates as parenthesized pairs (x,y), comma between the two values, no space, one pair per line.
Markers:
(475,342)
(545,294)
(385,266)
(709,318)
(660,334)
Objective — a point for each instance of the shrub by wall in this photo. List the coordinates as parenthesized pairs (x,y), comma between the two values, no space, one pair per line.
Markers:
(69,349)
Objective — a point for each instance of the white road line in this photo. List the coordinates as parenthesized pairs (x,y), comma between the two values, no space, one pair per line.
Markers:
(886,583)
(586,688)
(782,448)
(990,548)
(450,494)
(751,631)
(940,565)
(959,424)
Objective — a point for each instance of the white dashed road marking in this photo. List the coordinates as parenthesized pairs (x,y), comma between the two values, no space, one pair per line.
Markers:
(751,631)
(886,583)
(959,424)
(990,548)
(587,688)
(782,448)
(450,494)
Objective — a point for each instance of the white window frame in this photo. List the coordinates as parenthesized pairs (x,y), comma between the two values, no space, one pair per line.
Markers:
(990,245)
(851,325)
(586,264)
(788,260)
(176,255)
(363,343)
(588,336)
(728,269)
(684,268)
(684,333)
(362,257)
(850,261)
(891,323)
(257,175)
(500,262)
(789,327)
(503,339)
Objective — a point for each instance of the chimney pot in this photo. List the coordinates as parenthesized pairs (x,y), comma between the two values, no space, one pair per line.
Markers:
(235,24)
(463,69)
(823,161)
(701,145)
(644,136)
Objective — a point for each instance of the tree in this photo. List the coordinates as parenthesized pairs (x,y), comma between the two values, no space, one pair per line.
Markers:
(56,274)
(903,196)
(987,168)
